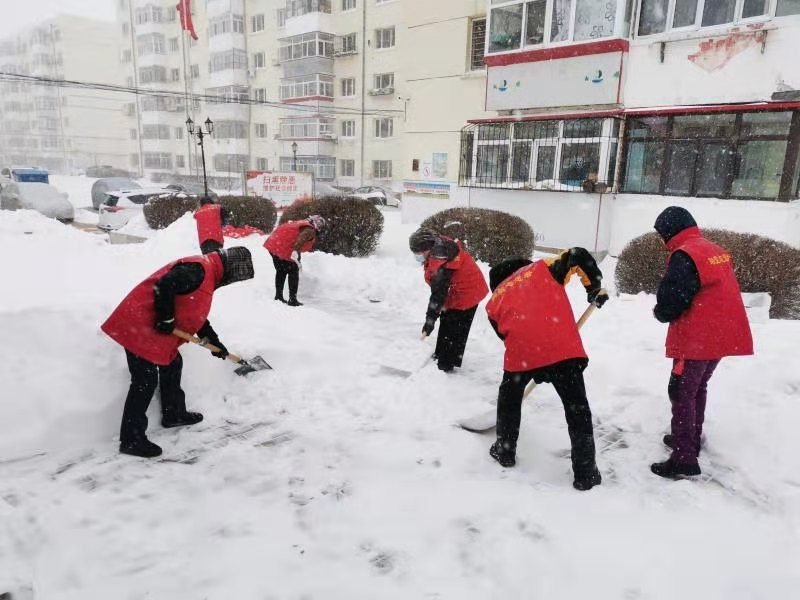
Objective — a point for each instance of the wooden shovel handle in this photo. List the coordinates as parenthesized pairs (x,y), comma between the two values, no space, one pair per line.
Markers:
(210,347)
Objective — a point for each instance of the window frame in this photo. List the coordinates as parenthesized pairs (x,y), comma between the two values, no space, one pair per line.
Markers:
(348,80)
(345,172)
(379,166)
(383,125)
(472,48)
(380,32)
(347,129)
(698,26)
(260,20)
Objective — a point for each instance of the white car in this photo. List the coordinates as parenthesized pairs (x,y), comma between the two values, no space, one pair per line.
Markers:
(122,205)
(41,197)
(376,195)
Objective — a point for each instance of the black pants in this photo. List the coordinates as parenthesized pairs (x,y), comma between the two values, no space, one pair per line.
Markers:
(567,378)
(145,377)
(210,246)
(283,269)
(454,326)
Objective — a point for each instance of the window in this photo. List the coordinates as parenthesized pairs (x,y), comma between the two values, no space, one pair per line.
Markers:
(348,5)
(297,8)
(307,86)
(346,44)
(157,160)
(547,154)
(347,168)
(229,59)
(155,132)
(175,74)
(281,18)
(477,42)
(348,129)
(323,167)
(259,60)
(787,7)
(230,163)
(348,87)
(260,94)
(152,75)
(152,43)
(261,130)
(227,23)
(384,128)
(384,38)
(180,162)
(506,29)
(306,127)
(382,169)
(127,56)
(179,133)
(172,14)
(230,130)
(257,23)
(173,44)
(726,155)
(692,14)
(149,14)
(306,45)
(262,164)
(384,81)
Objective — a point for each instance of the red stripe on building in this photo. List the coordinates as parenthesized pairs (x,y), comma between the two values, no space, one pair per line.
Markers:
(570,51)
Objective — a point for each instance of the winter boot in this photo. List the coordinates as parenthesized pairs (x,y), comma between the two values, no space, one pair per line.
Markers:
(181,419)
(140,447)
(294,302)
(280,298)
(667,439)
(504,452)
(588,481)
(673,470)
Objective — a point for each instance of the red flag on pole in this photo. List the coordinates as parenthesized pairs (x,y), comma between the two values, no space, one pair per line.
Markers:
(185,10)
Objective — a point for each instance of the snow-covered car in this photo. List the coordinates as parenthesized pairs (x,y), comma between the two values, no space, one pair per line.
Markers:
(109,184)
(121,206)
(41,197)
(376,195)
(193,189)
(322,189)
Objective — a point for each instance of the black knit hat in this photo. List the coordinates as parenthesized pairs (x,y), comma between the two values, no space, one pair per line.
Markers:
(422,240)
(502,271)
(237,265)
(672,221)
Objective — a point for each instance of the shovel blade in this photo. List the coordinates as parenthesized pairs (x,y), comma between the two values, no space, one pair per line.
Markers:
(387,370)
(257,363)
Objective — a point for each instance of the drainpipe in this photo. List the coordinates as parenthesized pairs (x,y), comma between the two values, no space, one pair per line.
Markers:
(363,85)
(136,86)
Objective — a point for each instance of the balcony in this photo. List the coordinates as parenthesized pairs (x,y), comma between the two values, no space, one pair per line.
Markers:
(312,87)
(305,16)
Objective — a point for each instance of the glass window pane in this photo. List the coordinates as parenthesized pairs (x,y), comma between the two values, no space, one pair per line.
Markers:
(754,8)
(644,166)
(583,128)
(716,162)
(717,12)
(536,130)
(506,28)
(578,161)
(653,18)
(534,27)
(521,162)
(492,164)
(682,160)
(545,163)
(787,7)
(493,131)
(685,13)
(559,27)
(612,164)
(594,19)
(760,169)
(769,123)
(708,126)
(648,127)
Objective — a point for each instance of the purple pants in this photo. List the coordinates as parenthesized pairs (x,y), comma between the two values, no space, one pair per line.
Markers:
(687,392)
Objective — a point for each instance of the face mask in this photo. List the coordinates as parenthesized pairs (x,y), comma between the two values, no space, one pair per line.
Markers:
(420,258)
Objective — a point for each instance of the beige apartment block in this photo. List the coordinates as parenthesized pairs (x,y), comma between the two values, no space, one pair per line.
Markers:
(62,128)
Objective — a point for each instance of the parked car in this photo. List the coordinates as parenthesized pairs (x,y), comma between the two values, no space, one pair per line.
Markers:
(41,197)
(106,171)
(324,189)
(122,205)
(110,184)
(377,195)
(195,189)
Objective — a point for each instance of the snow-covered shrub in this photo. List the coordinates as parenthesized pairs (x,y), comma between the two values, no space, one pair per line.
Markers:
(761,265)
(354,226)
(250,210)
(489,235)
(162,211)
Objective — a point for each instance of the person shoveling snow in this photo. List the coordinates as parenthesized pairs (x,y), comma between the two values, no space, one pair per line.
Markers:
(176,297)
(286,245)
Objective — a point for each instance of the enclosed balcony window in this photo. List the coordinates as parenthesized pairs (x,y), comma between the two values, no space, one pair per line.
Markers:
(229,59)
(307,87)
(661,16)
(323,167)
(298,8)
(307,45)
(307,128)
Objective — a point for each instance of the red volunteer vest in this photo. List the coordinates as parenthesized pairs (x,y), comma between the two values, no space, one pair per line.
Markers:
(533,313)
(467,287)
(131,323)
(715,325)
(209,223)
(281,241)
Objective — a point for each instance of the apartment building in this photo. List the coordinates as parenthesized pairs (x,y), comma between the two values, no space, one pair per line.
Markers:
(602,113)
(61,128)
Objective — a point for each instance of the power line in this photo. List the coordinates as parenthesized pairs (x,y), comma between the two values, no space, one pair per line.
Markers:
(209,98)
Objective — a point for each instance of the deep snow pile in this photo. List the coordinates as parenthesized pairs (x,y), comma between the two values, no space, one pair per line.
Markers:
(326,478)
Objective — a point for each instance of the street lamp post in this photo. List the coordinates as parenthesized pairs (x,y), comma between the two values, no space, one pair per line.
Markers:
(294,153)
(200,134)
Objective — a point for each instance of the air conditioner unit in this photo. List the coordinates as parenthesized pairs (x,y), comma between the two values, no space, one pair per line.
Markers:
(381,91)
(251,73)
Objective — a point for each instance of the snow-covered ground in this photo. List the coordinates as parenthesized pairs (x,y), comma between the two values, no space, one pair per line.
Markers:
(327,478)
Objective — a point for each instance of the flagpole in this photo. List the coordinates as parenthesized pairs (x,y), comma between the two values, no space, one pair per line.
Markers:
(186,101)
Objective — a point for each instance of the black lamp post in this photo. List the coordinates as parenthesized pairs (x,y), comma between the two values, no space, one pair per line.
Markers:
(294,152)
(200,134)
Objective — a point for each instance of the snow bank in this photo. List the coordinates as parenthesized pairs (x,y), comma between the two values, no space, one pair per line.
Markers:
(326,478)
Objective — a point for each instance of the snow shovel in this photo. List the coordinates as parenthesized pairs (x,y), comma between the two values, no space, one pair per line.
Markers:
(486,421)
(245,366)
(386,369)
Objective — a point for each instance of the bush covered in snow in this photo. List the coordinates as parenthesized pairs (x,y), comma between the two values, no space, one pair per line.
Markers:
(489,235)
(162,211)
(250,210)
(354,226)
(761,265)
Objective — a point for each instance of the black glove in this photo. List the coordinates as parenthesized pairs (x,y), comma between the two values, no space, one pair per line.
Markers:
(427,329)
(598,297)
(166,326)
(223,351)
